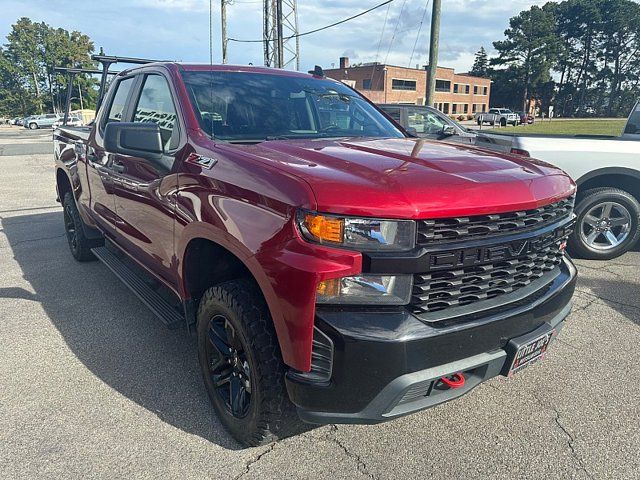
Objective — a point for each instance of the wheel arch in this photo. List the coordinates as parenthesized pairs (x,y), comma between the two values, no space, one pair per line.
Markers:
(617,177)
(206,261)
(63,183)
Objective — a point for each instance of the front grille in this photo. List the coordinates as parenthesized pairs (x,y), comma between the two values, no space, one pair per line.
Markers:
(486,226)
(435,291)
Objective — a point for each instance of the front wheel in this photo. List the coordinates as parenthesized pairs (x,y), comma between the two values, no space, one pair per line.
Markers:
(33,126)
(607,224)
(242,366)
(503,122)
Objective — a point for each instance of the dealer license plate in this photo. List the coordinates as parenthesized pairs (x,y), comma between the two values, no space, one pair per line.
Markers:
(530,353)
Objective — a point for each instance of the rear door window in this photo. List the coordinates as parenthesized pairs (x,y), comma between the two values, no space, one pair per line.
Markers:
(119,102)
(394,113)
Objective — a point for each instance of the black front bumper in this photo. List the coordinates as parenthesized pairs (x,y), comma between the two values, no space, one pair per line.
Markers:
(386,364)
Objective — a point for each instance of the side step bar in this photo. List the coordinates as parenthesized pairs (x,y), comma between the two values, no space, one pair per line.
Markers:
(167,314)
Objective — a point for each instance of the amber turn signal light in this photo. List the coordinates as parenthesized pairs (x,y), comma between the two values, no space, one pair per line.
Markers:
(325,229)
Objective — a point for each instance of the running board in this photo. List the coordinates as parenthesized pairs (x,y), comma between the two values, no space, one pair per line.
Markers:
(167,314)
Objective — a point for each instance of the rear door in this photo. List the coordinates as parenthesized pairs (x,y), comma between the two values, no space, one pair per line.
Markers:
(145,192)
(99,162)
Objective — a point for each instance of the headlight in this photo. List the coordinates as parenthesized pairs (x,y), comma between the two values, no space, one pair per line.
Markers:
(366,290)
(365,234)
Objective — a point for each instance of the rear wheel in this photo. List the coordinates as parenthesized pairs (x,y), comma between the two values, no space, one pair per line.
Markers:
(79,245)
(503,122)
(242,366)
(607,224)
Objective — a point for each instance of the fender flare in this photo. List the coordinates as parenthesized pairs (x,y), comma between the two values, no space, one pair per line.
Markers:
(627,172)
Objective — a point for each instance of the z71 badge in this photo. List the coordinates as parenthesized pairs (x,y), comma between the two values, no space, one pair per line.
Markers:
(201,160)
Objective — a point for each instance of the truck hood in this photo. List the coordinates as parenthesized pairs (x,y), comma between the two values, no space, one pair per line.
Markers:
(413,178)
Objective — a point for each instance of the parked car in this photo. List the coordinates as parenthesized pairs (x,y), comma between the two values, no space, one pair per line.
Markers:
(41,121)
(498,116)
(72,121)
(427,122)
(525,118)
(607,172)
(333,269)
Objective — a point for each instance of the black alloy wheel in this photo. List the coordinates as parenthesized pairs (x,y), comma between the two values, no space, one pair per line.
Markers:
(228,366)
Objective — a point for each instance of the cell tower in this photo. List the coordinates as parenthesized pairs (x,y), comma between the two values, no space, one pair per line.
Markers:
(280,22)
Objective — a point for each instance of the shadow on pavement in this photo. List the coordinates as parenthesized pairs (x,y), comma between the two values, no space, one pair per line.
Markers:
(621,295)
(110,331)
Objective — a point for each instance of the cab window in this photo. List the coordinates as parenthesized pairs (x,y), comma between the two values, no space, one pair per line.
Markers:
(425,121)
(633,125)
(118,104)
(156,105)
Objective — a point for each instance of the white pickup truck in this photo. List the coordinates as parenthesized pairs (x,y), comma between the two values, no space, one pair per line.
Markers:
(499,116)
(607,172)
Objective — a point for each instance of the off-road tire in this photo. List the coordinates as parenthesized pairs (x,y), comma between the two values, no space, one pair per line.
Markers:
(271,415)
(33,126)
(584,203)
(79,245)
(503,122)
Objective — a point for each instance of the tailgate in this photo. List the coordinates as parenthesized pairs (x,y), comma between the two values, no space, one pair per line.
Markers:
(495,142)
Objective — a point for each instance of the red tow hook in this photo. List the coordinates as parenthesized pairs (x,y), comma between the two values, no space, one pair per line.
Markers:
(455,380)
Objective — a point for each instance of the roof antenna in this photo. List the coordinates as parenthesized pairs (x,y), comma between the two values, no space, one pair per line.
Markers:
(317,71)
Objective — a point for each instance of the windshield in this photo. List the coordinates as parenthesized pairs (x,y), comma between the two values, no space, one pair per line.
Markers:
(247,107)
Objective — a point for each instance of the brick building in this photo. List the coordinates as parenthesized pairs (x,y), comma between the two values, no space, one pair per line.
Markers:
(456,93)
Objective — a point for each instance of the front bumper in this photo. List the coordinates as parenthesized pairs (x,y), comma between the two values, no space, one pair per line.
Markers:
(385,364)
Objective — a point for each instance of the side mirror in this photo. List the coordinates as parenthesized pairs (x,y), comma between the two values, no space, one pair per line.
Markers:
(448,131)
(136,139)
(412,132)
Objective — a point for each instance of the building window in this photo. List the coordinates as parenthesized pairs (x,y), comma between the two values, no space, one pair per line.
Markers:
(445,108)
(474,108)
(484,90)
(443,86)
(475,89)
(484,108)
(466,89)
(454,108)
(455,88)
(397,84)
(366,84)
(466,108)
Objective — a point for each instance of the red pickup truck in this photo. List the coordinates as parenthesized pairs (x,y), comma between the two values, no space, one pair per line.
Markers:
(334,269)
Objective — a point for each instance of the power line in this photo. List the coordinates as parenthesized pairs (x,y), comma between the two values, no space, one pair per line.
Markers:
(384,26)
(395,30)
(317,29)
(424,14)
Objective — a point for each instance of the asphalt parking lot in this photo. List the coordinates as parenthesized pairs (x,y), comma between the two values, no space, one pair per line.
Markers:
(91,384)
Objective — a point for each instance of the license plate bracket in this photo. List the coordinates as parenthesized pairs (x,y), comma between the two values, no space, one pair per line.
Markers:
(527,350)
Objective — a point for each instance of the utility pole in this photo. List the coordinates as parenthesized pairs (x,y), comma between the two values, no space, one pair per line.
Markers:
(433,51)
(223,18)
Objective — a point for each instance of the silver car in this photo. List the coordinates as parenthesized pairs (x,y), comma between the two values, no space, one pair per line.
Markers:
(41,121)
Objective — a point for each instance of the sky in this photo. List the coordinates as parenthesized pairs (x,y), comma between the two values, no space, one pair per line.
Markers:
(179,29)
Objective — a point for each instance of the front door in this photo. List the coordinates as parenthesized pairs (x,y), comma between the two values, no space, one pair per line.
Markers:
(145,191)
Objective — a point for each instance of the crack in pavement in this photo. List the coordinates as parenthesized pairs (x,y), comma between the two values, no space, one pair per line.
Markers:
(570,438)
(605,299)
(360,464)
(255,460)
(570,441)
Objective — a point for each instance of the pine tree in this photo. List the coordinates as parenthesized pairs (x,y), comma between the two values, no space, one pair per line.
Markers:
(481,64)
